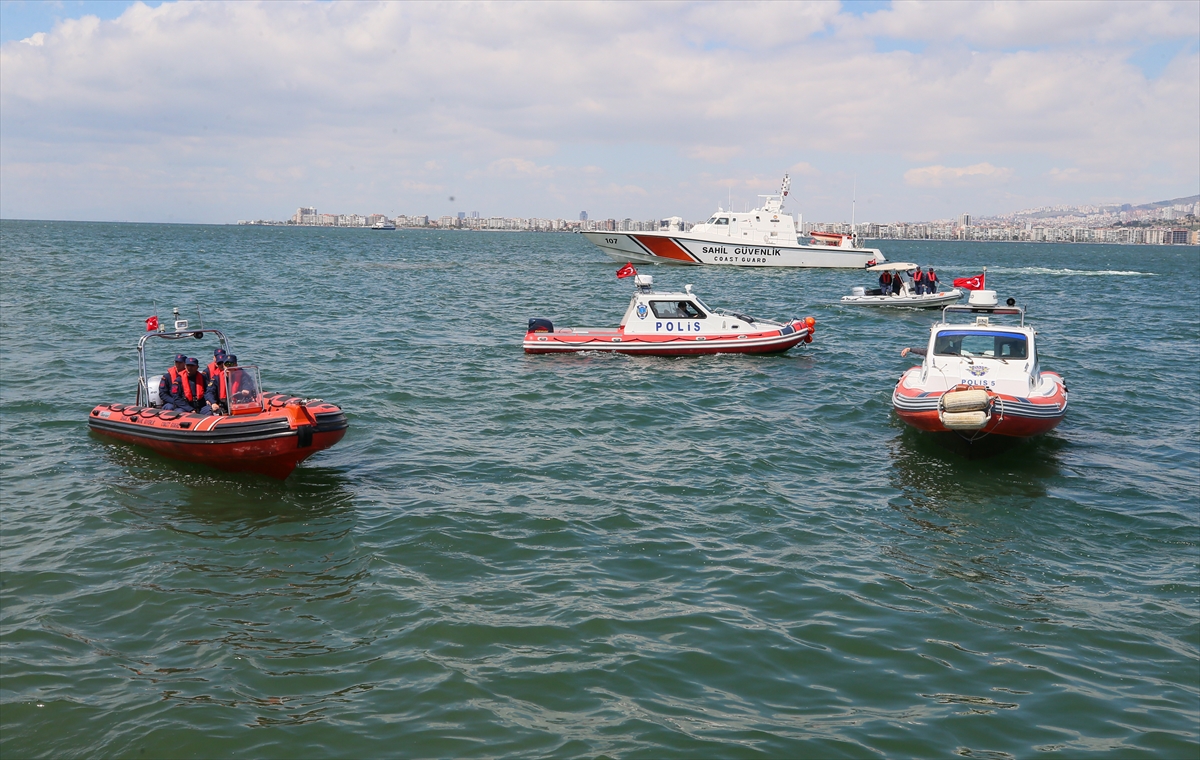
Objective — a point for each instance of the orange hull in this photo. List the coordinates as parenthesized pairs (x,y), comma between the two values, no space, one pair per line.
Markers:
(272,442)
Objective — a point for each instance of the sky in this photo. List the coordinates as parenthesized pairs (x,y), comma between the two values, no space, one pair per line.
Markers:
(213,112)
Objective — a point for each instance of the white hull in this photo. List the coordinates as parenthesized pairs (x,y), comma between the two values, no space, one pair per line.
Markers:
(926,301)
(683,248)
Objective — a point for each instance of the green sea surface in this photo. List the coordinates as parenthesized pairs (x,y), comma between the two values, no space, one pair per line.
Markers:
(590,555)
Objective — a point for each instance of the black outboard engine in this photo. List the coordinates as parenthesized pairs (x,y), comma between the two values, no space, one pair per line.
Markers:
(537,324)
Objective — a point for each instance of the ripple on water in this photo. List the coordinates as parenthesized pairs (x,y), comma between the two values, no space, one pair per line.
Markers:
(589,555)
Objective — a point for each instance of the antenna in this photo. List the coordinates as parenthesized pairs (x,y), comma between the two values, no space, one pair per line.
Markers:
(853,202)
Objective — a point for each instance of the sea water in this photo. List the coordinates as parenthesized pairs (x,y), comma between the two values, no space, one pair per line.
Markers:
(590,555)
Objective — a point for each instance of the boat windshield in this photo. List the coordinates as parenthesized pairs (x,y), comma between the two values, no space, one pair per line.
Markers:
(998,345)
(723,220)
(676,310)
(243,389)
(713,220)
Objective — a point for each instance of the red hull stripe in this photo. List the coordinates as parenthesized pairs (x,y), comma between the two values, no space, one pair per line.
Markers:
(665,248)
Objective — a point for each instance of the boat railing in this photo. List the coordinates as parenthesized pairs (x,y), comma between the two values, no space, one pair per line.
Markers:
(143,390)
(1010,310)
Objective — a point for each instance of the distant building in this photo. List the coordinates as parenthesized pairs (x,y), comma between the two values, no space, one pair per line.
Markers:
(964,220)
(305,215)
(462,215)
(583,216)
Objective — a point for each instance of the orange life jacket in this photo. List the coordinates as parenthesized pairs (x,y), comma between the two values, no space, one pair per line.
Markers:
(213,367)
(218,376)
(918,276)
(190,393)
(236,383)
(931,277)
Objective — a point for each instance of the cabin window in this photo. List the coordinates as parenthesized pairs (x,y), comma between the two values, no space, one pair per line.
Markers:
(723,220)
(676,310)
(992,345)
(712,221)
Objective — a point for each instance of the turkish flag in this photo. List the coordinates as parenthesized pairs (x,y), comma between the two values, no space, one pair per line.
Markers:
(626,271)
(151,324)
(970,283)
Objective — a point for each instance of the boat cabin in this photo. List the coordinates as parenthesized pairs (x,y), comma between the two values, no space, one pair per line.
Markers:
(982,350)
(654,313)
(766,224)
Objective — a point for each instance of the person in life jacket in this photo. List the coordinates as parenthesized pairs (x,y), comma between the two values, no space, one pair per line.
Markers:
(170,387)
(193,387)
(931,281)
(885,283)
(229,380)
(919,281)
(217,362)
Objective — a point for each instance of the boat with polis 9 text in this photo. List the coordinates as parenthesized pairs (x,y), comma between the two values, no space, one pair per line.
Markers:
(761,237)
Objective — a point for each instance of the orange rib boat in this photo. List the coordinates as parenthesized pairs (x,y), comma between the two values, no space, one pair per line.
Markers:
(265,433)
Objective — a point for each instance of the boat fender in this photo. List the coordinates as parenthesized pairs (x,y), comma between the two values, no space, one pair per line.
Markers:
(538,324)
(965,401)
(304,436)
(810,323)
(965,420)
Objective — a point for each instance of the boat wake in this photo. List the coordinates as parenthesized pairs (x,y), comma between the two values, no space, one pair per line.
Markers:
(1072,272)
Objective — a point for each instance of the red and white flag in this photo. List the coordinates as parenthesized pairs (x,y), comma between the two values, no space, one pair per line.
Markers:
(151,324)
(970,283)
(626,271)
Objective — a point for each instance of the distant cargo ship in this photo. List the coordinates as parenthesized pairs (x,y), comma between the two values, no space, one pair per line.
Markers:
(763,237)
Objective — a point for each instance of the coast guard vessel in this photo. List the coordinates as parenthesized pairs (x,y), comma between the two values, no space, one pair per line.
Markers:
(260,432)
(762,237)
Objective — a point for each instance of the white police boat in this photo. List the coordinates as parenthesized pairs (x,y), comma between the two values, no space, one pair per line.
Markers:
(671,324)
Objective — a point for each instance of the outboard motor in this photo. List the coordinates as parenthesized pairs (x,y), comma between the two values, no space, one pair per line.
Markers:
(538,324)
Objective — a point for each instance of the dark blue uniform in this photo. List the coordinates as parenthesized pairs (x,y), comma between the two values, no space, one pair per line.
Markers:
(170,395)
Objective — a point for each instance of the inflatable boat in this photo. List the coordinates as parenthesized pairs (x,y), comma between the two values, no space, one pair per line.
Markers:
(981,377)
(265,433)
(906,298)
(671,324)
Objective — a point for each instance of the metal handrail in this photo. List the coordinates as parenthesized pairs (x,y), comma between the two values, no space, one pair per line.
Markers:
(143,390)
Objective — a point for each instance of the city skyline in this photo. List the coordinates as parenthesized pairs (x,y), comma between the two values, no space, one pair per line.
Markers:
(214,111)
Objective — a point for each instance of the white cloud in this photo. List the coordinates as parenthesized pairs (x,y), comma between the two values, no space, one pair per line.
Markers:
(1016,23)
(937,176)
(490,103)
